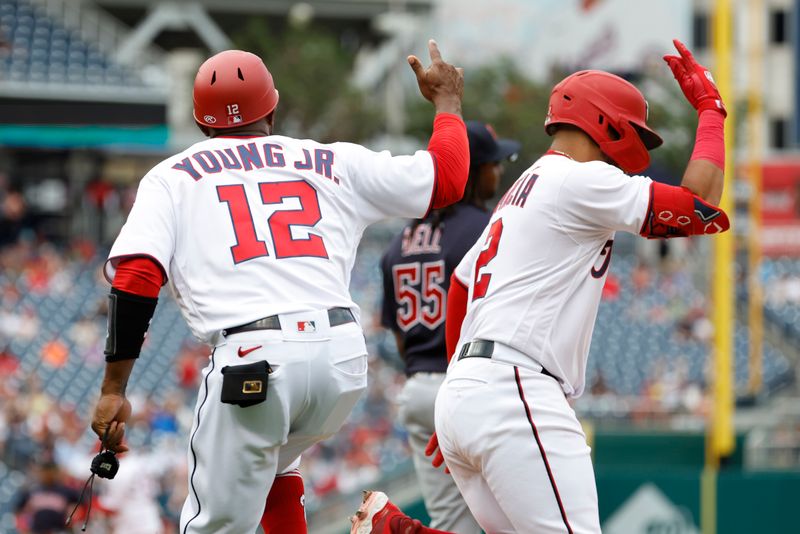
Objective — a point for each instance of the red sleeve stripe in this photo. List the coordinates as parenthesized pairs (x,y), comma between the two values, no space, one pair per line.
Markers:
(449,146)
(709,141)
(456,310)
(140,276)
(435,184)
(118,259)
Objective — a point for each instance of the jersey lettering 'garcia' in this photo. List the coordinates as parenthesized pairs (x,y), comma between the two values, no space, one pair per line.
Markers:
(247,227)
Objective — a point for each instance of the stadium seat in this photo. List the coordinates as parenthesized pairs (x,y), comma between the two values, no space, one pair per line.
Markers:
(37,39)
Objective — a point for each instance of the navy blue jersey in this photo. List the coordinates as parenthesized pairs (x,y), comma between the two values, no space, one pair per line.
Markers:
(416,275)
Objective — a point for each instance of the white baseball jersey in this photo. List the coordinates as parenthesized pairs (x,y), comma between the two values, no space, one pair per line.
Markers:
(536,274)
(248,227)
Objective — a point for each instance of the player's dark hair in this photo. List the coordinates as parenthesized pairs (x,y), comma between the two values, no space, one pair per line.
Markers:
(435,217)
(555,128)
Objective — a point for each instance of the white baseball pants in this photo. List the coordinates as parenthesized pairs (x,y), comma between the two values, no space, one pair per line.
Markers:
(515,447)
(234,452)
(443,501)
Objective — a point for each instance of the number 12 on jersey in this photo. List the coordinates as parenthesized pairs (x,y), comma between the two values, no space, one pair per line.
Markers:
(280,223)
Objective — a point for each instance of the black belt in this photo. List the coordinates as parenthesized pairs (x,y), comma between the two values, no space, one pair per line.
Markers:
(336,317)
(480,348)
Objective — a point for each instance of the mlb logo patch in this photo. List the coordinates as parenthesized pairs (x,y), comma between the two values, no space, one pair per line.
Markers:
(306,326)
(235,119)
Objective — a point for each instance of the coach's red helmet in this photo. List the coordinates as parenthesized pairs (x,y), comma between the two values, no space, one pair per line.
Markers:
(231,89)
(611,111)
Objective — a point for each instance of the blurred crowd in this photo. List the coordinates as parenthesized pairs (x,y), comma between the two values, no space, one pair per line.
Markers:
(784,290)
(46,439)
(668,387)
(666,393)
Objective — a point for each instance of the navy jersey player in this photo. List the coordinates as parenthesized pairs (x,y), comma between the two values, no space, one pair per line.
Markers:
(416,274)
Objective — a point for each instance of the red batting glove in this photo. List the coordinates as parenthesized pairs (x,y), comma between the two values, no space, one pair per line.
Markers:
(695,80)
(433,447)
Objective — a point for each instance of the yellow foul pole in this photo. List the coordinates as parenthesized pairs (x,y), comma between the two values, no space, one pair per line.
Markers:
(721,442)
(719,436)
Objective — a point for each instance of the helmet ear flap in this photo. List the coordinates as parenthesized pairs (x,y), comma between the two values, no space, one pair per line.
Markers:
(613,133)
(627,150)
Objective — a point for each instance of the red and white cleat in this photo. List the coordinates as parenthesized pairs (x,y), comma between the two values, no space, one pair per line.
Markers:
(373,515)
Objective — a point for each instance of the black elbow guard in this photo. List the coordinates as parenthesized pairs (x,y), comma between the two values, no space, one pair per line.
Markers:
(128,319)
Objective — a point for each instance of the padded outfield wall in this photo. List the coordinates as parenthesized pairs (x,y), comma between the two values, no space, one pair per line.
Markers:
(650,483)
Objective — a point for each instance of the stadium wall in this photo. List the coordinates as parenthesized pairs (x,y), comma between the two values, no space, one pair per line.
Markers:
(638,496)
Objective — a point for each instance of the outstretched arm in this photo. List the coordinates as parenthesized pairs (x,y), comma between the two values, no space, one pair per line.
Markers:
(704,173)
(396,186)
(443,85)
(704,179)
(692,208)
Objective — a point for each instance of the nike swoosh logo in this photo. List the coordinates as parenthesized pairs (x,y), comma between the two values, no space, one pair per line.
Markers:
(243,353)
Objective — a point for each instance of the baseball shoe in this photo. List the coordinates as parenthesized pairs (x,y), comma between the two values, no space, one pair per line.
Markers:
(377,515)
(374,514)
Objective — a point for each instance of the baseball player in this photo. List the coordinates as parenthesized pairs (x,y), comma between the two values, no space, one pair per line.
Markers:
(256,234)
(528,293)
(416,270)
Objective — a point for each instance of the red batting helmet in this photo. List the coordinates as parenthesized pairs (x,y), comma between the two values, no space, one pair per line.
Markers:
(233,88)
(611,111)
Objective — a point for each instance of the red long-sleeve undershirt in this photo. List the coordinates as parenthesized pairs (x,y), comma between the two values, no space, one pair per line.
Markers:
(709,141)
(449,148)
(139,275)
(457,296)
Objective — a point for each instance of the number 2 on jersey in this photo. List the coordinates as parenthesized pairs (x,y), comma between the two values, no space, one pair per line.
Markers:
(481,283)
(248,246)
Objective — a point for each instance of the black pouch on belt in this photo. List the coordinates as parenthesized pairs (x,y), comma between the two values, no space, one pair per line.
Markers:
(245,385)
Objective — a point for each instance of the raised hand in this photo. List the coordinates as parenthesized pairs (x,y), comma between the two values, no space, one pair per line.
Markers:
(695,80)
(441,83)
